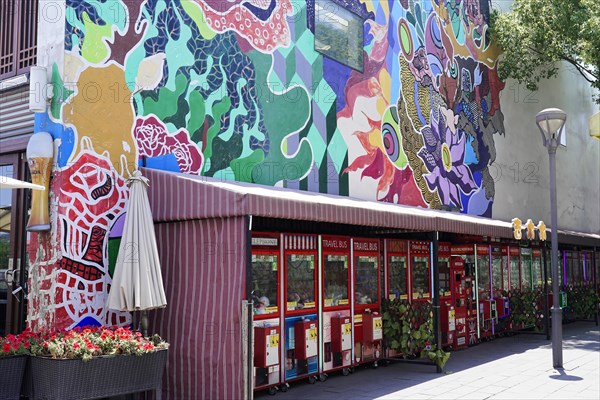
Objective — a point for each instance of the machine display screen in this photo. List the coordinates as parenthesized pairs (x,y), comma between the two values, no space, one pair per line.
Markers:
(538,279)
(498,281)
(398,273)
(335,283)
(264,283)
(366,279)
(420,277)
(444,274)
(300,281)
(514,273)
(483,276)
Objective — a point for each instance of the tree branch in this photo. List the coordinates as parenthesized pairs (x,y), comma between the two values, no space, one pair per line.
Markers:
(580,68)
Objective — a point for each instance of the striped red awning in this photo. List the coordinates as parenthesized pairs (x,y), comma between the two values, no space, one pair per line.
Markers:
(179,197)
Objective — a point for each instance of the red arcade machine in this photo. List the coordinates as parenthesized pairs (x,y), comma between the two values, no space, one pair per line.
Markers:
(447,308)
(462,295)
(537,266)
(336,316)
(368,322)
(301,324)
(265,296)
(474,256)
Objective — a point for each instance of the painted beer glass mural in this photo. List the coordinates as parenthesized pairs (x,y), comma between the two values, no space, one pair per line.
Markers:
(395,101)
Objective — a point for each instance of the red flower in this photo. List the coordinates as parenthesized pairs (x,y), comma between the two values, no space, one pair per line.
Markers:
(26,345)
(6,348)
(75,345)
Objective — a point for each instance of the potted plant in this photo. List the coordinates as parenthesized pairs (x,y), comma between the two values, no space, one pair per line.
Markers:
(14,350)
(95,362)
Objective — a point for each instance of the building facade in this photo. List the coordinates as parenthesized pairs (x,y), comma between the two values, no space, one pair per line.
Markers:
(393,101)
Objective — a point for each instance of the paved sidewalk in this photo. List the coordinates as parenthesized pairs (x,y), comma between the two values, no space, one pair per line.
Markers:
(516,367)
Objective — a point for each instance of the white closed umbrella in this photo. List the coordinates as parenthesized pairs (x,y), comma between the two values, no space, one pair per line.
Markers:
(137,282)
(10,183)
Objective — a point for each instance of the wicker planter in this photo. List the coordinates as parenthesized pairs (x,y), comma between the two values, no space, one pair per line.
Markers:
(12,370)
(100,377)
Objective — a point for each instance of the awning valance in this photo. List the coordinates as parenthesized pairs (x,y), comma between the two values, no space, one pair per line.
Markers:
(178,197)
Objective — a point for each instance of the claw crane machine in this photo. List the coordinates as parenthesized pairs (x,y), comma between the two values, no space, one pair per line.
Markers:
(477,267)
(394,284)
(336,347)
(462,299)
(447,310)
(368,322)
(301,334)
(265,298)
(537,275)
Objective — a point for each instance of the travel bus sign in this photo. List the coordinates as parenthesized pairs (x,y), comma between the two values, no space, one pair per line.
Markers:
(530,227)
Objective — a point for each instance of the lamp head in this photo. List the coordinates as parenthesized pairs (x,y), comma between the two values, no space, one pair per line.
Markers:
(551,121)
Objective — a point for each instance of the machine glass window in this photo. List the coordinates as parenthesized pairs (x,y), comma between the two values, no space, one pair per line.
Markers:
(505,267)
(526,272)
(538,279)
(300,281)
(444,274)
(483,278)
(570,269)
(336,280)
(420,277)
(339,34)
(366,279)
(264,283)
(514,273)
(497,278)
(397,265)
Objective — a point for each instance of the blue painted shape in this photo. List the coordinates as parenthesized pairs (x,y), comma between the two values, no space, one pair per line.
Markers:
(43,123)
(88,321)
(336,75)
(260,13)
(291,364)
(168,162)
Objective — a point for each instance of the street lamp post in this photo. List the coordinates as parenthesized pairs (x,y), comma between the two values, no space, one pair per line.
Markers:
(551,121)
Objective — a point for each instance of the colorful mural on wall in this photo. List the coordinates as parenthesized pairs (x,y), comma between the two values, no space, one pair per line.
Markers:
(242,90)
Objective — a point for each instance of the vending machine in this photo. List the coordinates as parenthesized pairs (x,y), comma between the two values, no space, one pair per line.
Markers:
(336,344)
(368,322)
(265,297)
(487,306)
(447,307)
(396,257)
(301,324)
(474,256)
(462,298)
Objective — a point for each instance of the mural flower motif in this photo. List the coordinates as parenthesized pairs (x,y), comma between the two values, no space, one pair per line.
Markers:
(443,155)
(153,140)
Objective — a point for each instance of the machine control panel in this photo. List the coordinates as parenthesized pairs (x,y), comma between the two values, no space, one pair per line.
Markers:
(266,346)
(341,334)
(306,339)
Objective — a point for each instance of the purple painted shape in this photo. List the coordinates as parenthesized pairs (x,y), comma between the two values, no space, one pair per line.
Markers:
(116,231)
(336,75)
(313,179)
(333,181)
(303,68)
(319,120)
(279,66)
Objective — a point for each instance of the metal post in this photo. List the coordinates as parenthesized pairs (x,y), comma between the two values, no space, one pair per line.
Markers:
(436,295)
(545,293)
(557,359)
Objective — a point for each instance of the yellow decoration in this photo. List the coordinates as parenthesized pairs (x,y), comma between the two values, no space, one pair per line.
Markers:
(542,230)
(517,226)
(530,229)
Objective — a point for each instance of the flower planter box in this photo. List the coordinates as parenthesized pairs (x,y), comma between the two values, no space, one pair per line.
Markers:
(99,377)
(12,370)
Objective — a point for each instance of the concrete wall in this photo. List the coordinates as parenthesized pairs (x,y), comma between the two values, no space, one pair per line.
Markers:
(521,167)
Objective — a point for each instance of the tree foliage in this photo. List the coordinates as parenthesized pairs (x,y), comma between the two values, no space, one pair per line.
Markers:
(537,34)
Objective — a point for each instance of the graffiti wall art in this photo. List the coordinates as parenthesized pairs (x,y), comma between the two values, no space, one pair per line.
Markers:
(394,101)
